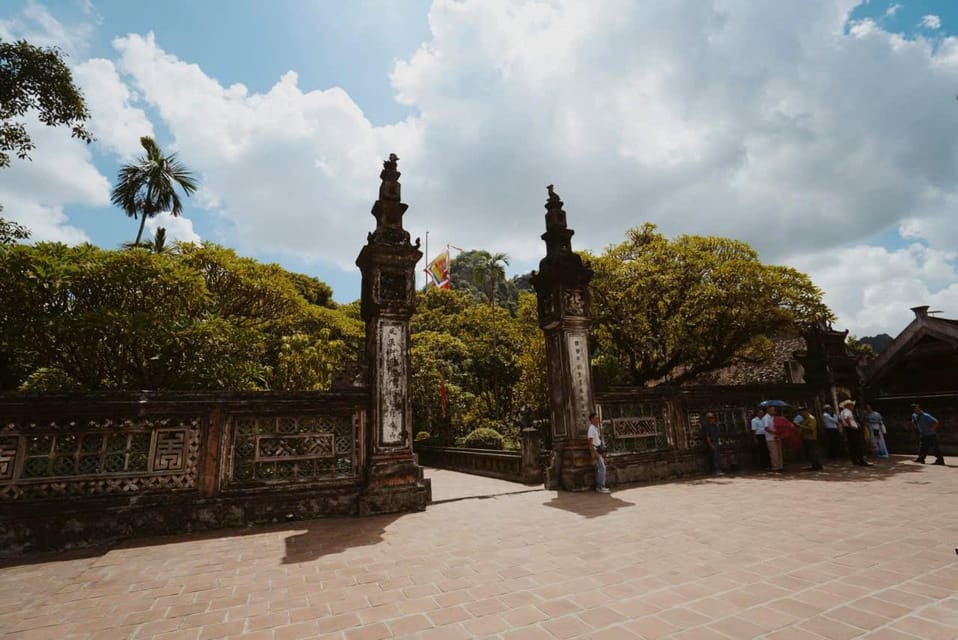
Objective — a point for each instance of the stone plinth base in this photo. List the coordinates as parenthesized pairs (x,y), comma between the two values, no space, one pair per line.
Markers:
(393,486)
(576,472)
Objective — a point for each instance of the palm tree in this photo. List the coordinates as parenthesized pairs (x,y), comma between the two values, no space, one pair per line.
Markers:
(489,272)
(148,186)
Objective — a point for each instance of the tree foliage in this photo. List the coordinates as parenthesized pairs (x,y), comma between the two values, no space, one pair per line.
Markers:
(482,275)
(36,79)
(668,310)
(11,232)
(475,349)
(197,317)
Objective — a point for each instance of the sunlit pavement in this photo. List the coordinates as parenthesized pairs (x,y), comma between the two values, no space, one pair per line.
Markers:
(846,553)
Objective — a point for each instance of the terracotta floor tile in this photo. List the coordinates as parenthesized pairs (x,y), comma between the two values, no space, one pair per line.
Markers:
(486,625)
(566,627)
(925,629)
(651,627)
(528,633)
(831,629)
(558,565)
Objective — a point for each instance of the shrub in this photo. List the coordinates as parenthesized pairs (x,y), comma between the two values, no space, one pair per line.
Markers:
(50,379)
(483,438)
(422,435)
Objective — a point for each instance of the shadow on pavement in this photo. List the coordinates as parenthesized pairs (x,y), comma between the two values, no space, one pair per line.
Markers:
(325,537)
(845,471)
(308,540)
(588,504)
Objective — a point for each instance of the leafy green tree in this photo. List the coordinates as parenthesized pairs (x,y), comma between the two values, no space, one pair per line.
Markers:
(531,390)
(148,187)
(862,349)
(198,318)
(11,232)
(668,310)
(36,79)
(314,290)
(482,275)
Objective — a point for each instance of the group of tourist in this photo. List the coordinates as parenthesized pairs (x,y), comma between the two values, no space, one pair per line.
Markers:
(771,430)
(862,431)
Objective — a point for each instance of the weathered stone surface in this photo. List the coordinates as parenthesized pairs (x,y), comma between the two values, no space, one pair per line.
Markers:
(562,291)
(393,481)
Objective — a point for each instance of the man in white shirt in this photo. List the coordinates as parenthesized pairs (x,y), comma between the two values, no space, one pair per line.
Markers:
(833,437)
(758,428)
(853,433)
(595,446)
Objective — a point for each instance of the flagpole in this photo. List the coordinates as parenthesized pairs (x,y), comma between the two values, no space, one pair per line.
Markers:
(426,280)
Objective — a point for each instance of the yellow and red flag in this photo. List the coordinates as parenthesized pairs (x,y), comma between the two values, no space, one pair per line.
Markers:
(438,270)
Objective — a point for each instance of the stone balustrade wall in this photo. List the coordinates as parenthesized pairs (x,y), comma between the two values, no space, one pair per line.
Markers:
(84,468)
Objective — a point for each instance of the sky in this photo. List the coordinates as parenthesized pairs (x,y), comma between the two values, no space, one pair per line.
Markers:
(823,132)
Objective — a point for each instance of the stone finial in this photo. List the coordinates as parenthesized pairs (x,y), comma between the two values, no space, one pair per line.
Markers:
(555,216)
(390,189)
(554,200)
(920,312)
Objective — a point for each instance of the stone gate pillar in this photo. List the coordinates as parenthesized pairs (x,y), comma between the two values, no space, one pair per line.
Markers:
(393,482)
(562,290)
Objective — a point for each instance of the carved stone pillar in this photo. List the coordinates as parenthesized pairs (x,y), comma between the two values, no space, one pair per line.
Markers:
(562,290)
(394,482)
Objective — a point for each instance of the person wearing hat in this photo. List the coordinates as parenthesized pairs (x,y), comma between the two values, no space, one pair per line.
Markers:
(833,435)
(853,433)
(927,427)
(809,427)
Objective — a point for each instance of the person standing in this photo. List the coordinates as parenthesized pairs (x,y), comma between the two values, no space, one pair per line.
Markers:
(927,427)
(772,441)
(809,427)
(853,433)
(710,433)
(598,453)
(876,425)
(758,428)
(833,437)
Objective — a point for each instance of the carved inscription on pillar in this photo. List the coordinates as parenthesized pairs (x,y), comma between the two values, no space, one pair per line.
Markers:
(554,354)
(581,383)
(392,382)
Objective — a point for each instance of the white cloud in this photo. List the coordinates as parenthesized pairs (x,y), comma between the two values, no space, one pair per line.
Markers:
(931,22)
(767,123)
(179,229)
(60,173)
(36,25)
(115,122)
(892,10)
(871,289)
(291,171)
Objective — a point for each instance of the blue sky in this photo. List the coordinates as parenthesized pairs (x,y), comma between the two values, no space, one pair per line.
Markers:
(814,134)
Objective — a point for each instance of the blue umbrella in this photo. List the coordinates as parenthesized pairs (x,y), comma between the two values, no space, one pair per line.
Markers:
(773,403)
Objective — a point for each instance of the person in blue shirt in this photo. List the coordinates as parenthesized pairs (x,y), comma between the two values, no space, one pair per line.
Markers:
(710,433)
(927,427)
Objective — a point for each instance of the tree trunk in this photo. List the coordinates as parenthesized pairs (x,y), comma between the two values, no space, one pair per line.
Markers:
(139,233)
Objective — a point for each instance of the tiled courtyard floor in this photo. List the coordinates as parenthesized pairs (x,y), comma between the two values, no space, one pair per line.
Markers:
(846,553)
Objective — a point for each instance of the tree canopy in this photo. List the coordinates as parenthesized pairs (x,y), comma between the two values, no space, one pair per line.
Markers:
(668,310)
(195,317)
(36,79)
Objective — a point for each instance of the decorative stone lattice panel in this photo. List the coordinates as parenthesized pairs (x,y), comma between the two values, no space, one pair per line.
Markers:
(293,449)
(635,427)
(98,457)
